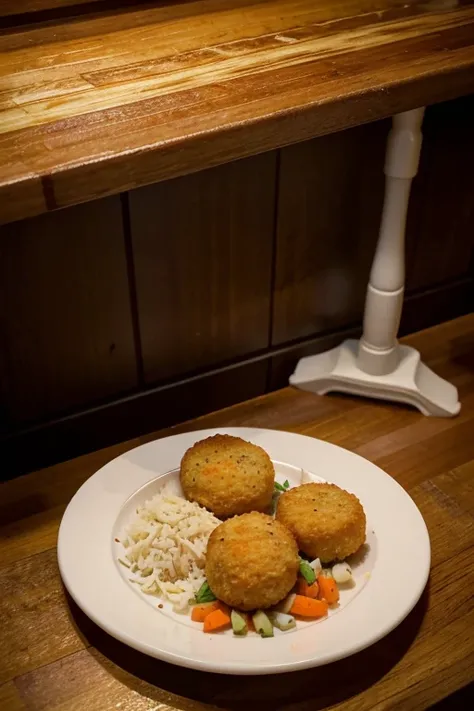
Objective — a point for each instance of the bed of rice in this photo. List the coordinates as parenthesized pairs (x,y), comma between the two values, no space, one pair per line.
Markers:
(165,547)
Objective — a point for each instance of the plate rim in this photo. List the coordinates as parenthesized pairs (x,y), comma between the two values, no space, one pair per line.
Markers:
(236,667)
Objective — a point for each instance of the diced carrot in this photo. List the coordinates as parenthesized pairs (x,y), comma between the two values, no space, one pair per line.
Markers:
(308,607)
(307,590)
(217,620)
(250,624)
(328,589)
(200,612)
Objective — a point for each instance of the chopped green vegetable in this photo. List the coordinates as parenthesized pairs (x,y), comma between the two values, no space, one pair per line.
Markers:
(262,624)
(282,487)
(286,484)
(307,572)
(274,504)
(239,623)
(205,594)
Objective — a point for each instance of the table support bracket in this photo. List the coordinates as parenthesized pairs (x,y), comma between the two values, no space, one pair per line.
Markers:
(377,366)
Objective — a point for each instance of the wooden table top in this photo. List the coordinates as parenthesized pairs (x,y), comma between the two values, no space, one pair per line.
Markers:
(54,658)
(110,101)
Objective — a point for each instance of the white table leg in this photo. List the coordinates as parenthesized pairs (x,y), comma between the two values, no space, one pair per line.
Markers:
(377,365)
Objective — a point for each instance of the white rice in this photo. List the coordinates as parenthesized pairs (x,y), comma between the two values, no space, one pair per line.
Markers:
(165,547)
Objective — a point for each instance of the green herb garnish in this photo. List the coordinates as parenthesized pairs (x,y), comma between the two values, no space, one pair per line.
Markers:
(205,594)
(282,487)
(307,572)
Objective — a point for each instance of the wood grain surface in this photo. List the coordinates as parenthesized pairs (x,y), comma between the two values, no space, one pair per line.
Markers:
(444,175)
(109,101)
(329,207)
(55,659)
(66,334)
(203,254)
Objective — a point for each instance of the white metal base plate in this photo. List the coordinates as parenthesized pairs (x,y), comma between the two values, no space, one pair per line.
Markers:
(411,382)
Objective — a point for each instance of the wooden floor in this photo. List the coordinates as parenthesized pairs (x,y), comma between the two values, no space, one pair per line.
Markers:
(114,100)
(54,658)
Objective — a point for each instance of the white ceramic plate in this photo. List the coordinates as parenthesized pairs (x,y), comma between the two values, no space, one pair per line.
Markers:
(397,548)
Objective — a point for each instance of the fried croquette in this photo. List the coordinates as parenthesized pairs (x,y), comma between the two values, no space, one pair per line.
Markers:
(228,476)
(327,522)
(252,561)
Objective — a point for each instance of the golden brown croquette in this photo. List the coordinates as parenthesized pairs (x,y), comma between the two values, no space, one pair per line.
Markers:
(228,476)
(252,561)
(327,522)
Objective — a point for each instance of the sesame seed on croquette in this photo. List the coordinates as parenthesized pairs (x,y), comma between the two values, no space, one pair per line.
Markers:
(327,521)
(252,562)
(228,476)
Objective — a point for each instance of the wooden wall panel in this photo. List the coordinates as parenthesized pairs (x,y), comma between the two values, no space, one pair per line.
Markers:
(132,416)
(65,324)
(9,7)
(440,230)
(203,258)
(330,199)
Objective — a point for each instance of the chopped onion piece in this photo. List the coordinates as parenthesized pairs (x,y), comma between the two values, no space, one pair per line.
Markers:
(316,566)
(282,621)
(286,604)
(342,573)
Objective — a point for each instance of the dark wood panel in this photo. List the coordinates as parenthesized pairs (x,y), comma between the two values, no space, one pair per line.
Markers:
(330,198)
(164,406)
(7,7)
(203,258)
(132,416)
(440,229)
(437,304)
(65,325)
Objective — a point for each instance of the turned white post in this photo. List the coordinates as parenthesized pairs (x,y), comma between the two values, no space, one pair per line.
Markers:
(378,351)
(377,365)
